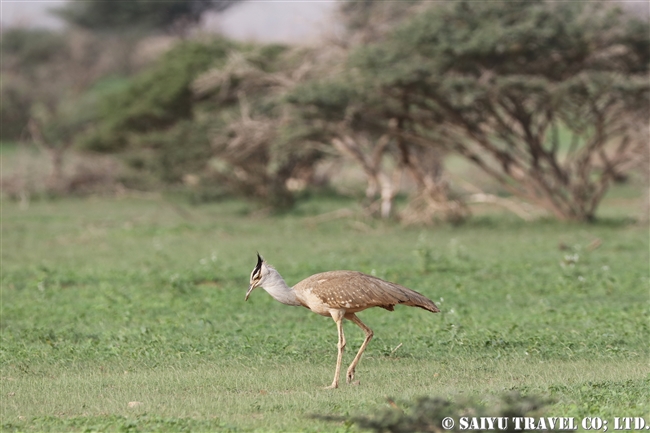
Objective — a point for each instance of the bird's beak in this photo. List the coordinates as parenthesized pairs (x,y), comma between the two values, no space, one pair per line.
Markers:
(250,289)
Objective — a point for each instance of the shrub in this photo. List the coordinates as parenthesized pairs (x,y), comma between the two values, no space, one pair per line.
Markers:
(157,98)
(426,414)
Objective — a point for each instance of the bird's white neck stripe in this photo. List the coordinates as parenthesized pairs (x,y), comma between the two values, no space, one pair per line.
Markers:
(275,286)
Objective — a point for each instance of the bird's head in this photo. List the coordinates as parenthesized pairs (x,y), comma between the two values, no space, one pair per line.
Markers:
(257,276)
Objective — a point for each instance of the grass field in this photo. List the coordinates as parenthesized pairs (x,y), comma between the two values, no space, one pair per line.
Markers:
(112,301)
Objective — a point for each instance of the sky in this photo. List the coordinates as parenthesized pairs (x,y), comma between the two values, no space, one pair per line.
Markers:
(259,20)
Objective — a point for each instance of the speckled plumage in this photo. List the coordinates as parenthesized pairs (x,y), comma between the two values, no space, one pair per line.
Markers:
(354,291)
(338,294)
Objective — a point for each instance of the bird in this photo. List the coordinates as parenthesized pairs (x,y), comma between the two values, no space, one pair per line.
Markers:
(339,295)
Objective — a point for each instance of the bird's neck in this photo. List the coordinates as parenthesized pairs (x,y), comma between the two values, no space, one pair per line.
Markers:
(278,288)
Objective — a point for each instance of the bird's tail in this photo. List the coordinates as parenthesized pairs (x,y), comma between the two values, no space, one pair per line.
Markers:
(424,303)
(415,299)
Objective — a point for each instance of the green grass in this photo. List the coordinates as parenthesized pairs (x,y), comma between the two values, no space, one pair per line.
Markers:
(109,301)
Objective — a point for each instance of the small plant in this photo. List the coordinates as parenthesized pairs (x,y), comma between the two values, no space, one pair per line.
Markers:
(425,258)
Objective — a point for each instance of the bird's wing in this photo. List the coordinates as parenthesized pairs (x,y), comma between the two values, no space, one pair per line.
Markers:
(354,290)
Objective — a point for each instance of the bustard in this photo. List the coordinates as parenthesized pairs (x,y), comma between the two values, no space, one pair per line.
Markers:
(338,294)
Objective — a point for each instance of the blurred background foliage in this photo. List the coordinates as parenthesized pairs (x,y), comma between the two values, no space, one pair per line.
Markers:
(139,15)
(549,101)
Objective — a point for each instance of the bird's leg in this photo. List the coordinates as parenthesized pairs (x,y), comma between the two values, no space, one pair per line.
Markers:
(353,318)
(338,318)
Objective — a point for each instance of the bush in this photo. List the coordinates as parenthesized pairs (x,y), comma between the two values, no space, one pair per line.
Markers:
(25,56)
(426,414)
(157,98)
(181,150)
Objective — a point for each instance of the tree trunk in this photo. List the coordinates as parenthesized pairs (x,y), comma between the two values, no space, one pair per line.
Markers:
(55,182)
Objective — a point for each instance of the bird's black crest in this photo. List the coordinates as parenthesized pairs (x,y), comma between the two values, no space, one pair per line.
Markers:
(258,267)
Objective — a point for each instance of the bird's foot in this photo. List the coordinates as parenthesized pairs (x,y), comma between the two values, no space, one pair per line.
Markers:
(350,376)
(334,385)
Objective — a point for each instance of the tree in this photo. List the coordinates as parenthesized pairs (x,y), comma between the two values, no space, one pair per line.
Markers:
(541,96)
(369,21)
(359,125)
(262,150)
(365,126)
(101,15)
(46,90)
(54,129)
(26,54)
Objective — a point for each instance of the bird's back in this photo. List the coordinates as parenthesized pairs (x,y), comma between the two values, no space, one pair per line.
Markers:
(356,291)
